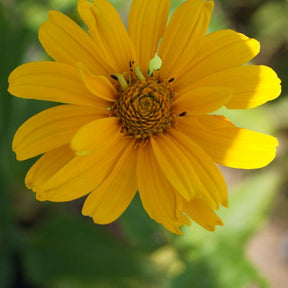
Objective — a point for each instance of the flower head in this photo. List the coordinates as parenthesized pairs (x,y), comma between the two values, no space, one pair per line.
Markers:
(127,124)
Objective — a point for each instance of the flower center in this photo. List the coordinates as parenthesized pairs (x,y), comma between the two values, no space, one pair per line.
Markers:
(143,106)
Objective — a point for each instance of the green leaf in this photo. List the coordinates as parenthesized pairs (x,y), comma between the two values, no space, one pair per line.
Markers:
(143,232)
(75,249)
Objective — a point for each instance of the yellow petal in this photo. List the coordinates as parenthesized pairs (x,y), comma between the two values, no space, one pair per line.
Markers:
(251,85)
(99,86)
(47,166)
(50,129)
(82,174)
(198,211)
(158,196)
(66,42)
(146,23)
(185,30)
(108,31)
(176,166)
(96,136)
(53,82)
(201,100)
(213,190)
(108,201)
(218,51)
(227,144)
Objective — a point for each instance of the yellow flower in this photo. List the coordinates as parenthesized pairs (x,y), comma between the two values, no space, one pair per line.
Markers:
(126,127)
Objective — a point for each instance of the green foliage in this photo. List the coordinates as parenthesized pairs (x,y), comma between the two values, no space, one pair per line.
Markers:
(69,247)
(222,254)
(141,230)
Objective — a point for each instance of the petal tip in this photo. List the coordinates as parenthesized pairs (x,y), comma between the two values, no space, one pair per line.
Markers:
(219,222)
(29,184)
(54,13)
(85,213)
(225,203)
(210,228)
(41,197)
(209,5)
(20,155)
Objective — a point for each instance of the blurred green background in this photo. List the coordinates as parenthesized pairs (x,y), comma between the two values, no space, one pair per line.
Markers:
(50,245)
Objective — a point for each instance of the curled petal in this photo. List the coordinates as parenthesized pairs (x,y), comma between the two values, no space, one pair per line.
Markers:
(99,86)
(66,42)
(108,31)
(52,81)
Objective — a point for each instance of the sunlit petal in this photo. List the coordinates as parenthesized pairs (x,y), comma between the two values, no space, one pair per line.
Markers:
(251,85)
(229,145)
(219,51)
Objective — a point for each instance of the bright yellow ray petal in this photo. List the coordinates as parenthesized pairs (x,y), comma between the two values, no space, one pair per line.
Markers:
(53,82)
(227,144)
(66,42)
(108,31)
(82,174)
(146,23)
(99,86)
(213,190)
(251,85)
(44,168)
(176,166)
(96,136)
(199,212)
(201,100)
(218,51)
(107,202)
(158,196)
(185,30)
(50,129)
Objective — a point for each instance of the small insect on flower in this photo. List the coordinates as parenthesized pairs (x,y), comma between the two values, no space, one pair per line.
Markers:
(136,112)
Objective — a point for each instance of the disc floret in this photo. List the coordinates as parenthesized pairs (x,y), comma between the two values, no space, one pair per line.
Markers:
(143,105)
